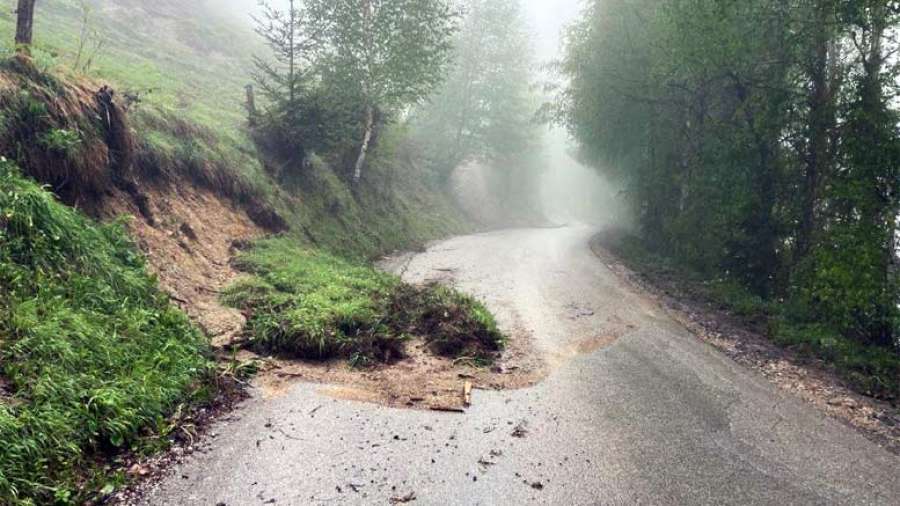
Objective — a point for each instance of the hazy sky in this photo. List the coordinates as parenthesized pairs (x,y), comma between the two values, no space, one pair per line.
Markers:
(547,17)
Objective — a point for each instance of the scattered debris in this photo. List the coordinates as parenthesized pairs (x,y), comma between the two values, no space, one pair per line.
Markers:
(313,410)
(485,463)
(520,430)
(138,470)
(537,485)
(449,409)
(846,402)
(579,312)
(410,497)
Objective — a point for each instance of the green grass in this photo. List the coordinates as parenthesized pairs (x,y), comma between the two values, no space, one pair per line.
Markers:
(313,305)
(188,58)
(93,354)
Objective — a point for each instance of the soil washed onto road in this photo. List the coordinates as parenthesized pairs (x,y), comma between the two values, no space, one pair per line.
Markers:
(632,409)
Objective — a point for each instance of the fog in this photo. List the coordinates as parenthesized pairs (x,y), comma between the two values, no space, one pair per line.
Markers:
(568,191)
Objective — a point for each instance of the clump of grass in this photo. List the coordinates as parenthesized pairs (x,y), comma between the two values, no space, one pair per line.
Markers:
(453,324)
(309,304)
(313,305)
(91,352)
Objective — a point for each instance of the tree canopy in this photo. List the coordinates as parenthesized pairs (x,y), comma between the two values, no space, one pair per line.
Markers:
(758,141)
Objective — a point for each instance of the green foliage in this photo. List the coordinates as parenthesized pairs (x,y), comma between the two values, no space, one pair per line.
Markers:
(92,353)
(485,108)
(870,369)
(341,67)
(312,305)
(61,140)
(758,141)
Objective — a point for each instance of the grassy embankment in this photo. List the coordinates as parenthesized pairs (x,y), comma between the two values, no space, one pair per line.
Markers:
(93,358)
(870,370)
(92,354)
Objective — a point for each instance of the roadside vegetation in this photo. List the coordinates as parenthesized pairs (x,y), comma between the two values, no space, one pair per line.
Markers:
(757,144)
(313,305)
(92,354)
(872,370)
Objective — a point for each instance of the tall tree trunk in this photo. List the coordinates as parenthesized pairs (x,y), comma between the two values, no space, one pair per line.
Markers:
(292,81)
(873,170)
(367,140)
(24,26)
(820,122)
(368,14)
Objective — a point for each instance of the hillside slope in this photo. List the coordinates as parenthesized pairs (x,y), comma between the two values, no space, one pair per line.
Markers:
(95,355)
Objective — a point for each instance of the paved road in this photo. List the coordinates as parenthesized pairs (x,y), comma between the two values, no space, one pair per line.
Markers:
(635,411)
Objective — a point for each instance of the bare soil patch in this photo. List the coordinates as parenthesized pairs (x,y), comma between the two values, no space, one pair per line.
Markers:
(421,380)
(811,379)
(189,245)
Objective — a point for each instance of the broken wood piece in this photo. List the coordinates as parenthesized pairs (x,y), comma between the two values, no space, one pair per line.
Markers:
(404,499)
(467,393)
(449,409)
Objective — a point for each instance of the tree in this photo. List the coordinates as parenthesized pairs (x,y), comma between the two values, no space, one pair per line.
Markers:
(285,32)
(485,109)
(758,141)
(297,117)
(385,54)
(24,25)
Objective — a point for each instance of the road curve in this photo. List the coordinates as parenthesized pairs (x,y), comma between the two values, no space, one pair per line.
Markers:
(635,410)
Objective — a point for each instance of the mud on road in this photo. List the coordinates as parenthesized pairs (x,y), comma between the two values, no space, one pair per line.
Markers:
(632,408)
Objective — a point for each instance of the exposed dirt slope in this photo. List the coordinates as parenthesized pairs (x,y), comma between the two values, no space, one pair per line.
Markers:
(189,246)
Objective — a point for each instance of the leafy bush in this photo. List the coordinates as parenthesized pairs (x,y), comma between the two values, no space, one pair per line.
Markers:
(313,305)
(92,352)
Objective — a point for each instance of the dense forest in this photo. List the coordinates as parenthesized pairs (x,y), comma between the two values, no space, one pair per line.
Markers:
(757,142)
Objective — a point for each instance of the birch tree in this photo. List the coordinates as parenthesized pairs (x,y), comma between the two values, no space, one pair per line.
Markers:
(485,107)
(389,54)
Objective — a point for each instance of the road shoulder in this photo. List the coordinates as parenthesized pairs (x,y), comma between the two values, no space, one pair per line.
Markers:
(808,378)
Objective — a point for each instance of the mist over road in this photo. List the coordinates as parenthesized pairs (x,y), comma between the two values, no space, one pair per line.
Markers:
(634,410)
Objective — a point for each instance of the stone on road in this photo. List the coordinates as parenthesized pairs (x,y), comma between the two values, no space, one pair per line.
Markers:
(634,410)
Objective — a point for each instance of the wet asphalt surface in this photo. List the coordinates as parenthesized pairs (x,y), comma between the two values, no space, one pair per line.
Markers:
(653,417)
